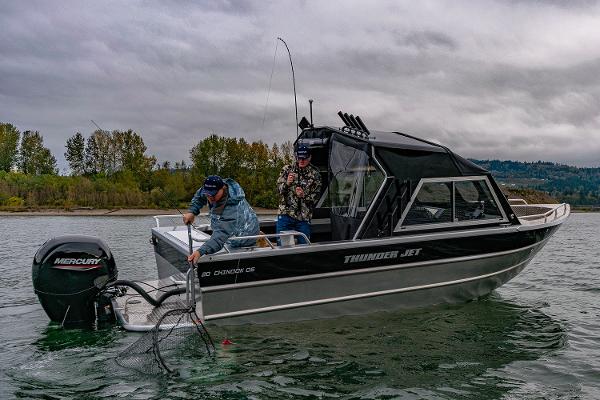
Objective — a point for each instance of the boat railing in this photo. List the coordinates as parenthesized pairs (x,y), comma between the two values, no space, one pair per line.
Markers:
(174,217)
(516,202)
(158,218)
(538,212)
(265,236)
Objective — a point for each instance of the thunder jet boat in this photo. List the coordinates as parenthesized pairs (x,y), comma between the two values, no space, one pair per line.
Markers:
(401,223)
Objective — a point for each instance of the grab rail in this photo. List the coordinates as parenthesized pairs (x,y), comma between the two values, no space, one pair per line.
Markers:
(545,215)
(261,236)
(268,235)
(517,202)
(157,218)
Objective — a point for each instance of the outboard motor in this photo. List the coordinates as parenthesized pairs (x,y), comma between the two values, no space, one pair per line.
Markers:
(69,273)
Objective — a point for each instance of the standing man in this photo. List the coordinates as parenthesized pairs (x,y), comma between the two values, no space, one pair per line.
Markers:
(299,187)
(230,215)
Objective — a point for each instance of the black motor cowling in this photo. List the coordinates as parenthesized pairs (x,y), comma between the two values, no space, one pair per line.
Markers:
(68,274)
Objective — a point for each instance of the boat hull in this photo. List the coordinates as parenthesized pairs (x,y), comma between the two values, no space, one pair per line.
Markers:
(391,288)
(358,278)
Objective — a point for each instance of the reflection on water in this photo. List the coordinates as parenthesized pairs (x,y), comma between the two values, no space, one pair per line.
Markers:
(55,338)
(437,353)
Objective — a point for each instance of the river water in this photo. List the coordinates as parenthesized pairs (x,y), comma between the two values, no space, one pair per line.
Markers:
(537,337)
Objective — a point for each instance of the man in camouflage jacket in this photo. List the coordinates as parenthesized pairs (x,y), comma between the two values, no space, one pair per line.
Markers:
(299,187)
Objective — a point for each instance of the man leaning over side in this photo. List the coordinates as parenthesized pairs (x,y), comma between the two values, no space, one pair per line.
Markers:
(230,215)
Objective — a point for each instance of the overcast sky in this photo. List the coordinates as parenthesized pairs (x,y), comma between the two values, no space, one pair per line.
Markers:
(491,79)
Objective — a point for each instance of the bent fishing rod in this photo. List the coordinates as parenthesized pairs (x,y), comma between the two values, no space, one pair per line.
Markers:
(299,207)
(293,82)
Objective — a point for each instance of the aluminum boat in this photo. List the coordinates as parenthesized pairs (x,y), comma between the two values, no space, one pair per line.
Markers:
(402,223)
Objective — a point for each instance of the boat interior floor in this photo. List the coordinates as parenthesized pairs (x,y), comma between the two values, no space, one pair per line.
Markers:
(134,313)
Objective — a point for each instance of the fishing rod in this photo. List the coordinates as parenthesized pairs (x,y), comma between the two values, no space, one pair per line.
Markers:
(294,83)
(299,207)
(134,285)
(97,126)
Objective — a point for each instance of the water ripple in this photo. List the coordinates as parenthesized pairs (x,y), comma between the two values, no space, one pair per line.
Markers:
(534,338)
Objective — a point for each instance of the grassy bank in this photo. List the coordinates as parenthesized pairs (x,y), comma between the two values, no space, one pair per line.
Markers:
(126,212)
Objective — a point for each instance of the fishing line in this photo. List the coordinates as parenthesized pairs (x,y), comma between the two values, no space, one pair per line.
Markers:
(226,340)
(171,203)
(294,83)
(270,81)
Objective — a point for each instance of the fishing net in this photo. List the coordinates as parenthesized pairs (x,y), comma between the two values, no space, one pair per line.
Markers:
(177,340)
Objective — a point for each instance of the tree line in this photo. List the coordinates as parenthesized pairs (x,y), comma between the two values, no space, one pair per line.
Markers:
(573,185)
(26,154)
(113,170)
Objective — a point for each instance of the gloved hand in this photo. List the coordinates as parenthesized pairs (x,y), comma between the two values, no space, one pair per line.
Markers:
(188,218)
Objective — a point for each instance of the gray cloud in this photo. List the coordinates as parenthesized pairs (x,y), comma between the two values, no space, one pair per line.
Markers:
(492,79)
(426,40)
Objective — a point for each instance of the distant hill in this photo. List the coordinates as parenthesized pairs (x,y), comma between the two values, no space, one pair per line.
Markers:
(577,186)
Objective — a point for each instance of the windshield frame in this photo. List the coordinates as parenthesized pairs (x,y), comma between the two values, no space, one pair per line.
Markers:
(504,219)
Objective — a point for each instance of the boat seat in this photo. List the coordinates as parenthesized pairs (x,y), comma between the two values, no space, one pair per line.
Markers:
(263,241)
(418,215)
(288,241)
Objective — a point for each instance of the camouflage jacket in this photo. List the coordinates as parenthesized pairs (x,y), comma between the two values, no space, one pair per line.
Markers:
(309,179)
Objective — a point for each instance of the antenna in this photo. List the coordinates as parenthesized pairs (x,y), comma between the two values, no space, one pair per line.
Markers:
(294,82)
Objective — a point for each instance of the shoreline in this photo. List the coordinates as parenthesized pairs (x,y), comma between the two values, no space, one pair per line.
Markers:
(120,212)
(140,212)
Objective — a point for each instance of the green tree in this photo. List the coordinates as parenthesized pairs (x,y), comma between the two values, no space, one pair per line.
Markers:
(255,166)
(208,156)
(75,154)
(9,142)
(180,165)
(130,152)
(99,153)
(34,158)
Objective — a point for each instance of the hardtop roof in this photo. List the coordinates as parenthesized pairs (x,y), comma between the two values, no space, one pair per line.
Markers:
(401,141)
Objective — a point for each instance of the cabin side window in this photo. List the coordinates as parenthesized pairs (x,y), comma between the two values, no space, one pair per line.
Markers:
(450,201)
(354,181)
(474,201)
(432,205)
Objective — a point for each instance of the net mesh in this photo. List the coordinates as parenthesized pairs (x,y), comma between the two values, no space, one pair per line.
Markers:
(177,341)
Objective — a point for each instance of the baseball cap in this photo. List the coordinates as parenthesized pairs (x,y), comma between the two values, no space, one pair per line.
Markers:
(212,184)
(302,152)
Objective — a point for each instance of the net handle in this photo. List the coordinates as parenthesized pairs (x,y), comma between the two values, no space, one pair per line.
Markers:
(191,277)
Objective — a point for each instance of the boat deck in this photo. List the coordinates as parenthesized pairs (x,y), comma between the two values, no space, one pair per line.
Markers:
(533,214)
(134,313)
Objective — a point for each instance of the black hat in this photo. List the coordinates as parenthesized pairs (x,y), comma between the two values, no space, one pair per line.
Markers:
(302,152)
(212,184)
